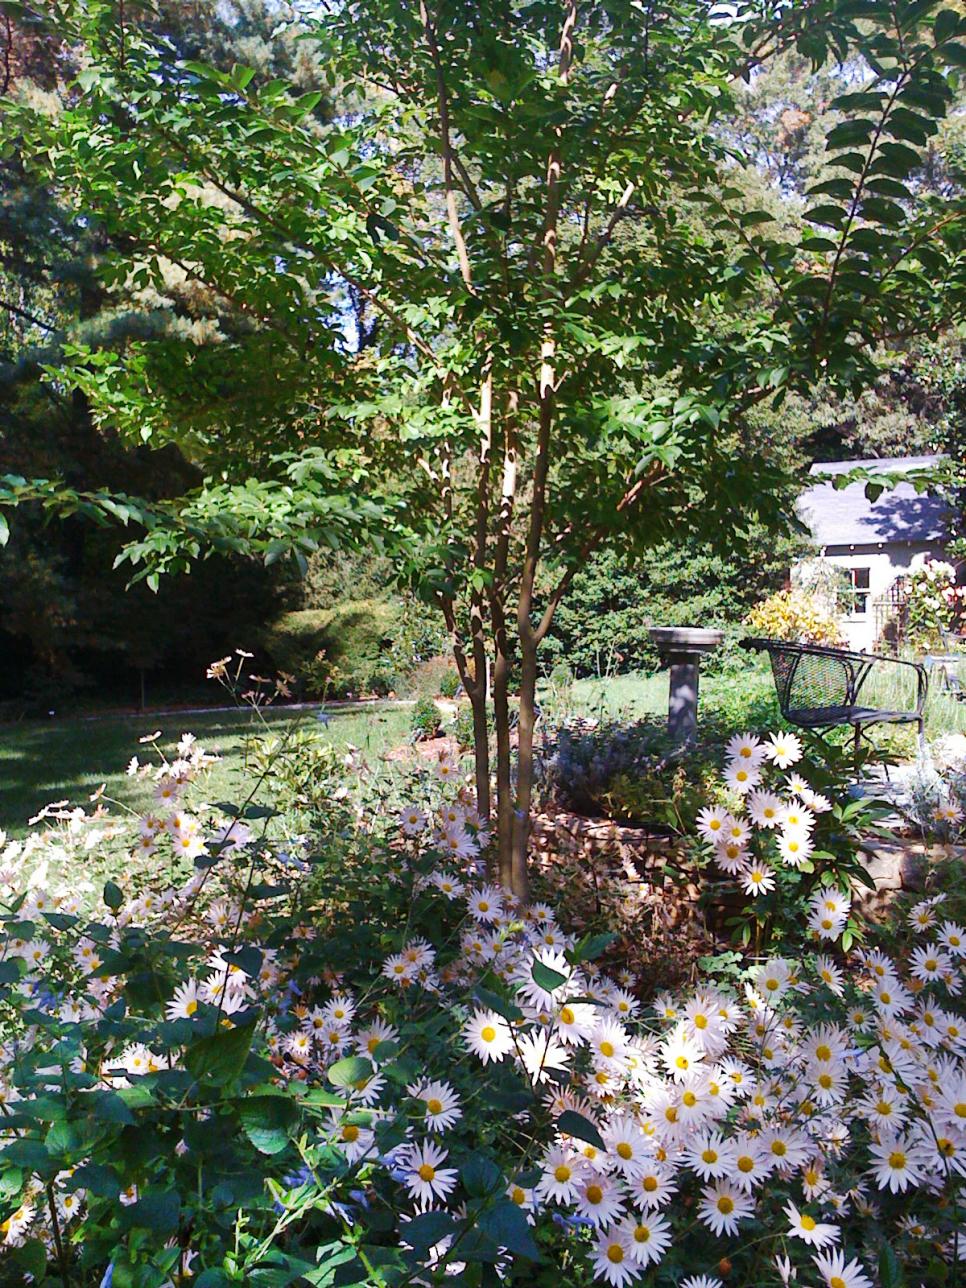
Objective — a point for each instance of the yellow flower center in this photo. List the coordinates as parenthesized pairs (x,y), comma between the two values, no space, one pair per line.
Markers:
(434,1106)
(518,1196)
(351,1133)
(897,1159)
(837,1282)
(594,1193)
(700,1021)
(725,1205)
(745,1163)
(690,1099)
(567,1015)
(488,1033)
(823,1052)
(649,1184)
(426,1173)
(624,1150)
(709,1155)
(607,1049)
(960,1109)
(191,1007)
(562,1173)
(779,1148)
(808,1222)
(615,1253)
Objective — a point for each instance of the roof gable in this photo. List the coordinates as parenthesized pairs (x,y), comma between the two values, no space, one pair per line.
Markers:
(849,518)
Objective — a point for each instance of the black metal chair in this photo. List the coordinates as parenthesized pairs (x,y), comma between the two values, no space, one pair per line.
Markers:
(820,687)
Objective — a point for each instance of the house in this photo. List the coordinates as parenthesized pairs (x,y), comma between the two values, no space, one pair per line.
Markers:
(873,544)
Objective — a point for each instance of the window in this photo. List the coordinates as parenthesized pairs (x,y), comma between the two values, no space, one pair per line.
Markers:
(858,591)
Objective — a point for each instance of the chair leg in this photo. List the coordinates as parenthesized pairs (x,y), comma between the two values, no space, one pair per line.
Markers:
(921,722)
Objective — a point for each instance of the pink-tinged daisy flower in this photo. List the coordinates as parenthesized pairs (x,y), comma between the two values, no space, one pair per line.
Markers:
(722,1206)
(765,808)
(598,1198)
(757,878)
(710,1156)
(794,847)
(784,749)
(897,1163)
(612,1261)
(730,856)
(485,905)
(424,1178)
(839,1273)
(712,823)
(412,821)
(185,1002)
(646,1238)
(560,1175)
(953,938)
(701,1281)
(817,1234)
(742,776)
(929,963)
(487,1035)
(745,747)
(441,1103)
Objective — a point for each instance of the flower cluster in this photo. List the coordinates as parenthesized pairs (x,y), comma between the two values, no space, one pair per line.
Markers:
(386,1061)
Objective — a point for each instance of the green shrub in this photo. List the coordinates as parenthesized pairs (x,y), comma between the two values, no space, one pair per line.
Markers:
(427,721)
(601,628)
(342,650)
(449,683)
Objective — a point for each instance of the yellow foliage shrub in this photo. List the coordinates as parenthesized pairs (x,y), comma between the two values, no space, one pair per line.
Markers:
(795,615)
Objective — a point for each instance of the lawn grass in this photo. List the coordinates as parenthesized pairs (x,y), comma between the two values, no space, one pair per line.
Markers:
(44,761)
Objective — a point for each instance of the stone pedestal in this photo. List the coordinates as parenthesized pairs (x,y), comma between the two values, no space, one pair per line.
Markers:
(682,647)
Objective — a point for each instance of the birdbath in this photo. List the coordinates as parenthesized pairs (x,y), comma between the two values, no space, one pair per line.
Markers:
(682,646)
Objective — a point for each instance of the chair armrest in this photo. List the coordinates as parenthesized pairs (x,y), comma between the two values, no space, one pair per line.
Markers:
(922,675)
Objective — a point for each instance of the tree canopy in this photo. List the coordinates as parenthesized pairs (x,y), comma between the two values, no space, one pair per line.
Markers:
(512,302)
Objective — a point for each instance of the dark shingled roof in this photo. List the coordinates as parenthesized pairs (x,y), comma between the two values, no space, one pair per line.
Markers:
(848,518)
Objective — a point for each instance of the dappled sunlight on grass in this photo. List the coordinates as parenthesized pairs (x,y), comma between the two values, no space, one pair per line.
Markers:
(44,761)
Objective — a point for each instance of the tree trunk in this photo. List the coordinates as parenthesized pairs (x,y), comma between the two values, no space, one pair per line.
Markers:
(519,874)
(481,747)
(504,795)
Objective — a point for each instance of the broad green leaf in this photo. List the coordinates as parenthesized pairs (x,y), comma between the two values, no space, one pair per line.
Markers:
(350,1071)
(570,1123)
(221,1057)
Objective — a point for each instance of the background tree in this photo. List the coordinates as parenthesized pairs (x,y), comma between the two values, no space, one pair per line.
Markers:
(515,301)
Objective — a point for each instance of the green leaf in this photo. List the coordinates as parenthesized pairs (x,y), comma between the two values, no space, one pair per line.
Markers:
(590,946)
(221,1057)
(31,1257)
(507,1226)
(946,24)
(890,1271)
(353,1069)
(423,1231)
(113,896)
(212,1278)
(546,978)
(110,1108)
(481,1176)
(158,1210)
(268,1122)
(570,1123)
(494,1002)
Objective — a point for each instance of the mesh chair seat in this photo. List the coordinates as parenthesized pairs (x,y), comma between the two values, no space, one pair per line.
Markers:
(819,687)
(827,717)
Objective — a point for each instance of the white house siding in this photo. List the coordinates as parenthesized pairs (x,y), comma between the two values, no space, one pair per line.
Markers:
(885,563)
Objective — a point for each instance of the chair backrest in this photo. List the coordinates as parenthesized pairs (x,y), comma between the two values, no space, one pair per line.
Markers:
(808,681)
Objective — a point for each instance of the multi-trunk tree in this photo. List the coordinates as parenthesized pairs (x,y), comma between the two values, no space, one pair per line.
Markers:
(510,305)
